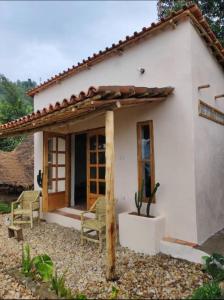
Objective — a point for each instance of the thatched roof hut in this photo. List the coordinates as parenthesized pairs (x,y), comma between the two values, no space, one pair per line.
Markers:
(17,167)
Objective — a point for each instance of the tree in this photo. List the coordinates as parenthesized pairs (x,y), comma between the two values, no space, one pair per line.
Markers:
(213,10)
(13,104)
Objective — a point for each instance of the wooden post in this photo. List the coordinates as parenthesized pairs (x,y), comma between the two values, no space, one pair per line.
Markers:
(110,202)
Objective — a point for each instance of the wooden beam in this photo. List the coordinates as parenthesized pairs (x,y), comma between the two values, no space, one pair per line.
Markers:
(219,96)
(110,202)
(205,86)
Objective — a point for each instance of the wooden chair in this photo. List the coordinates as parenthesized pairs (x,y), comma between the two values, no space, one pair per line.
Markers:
(97,225)
(24,206)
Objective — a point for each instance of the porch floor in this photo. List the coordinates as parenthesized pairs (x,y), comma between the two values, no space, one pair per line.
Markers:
(139,276)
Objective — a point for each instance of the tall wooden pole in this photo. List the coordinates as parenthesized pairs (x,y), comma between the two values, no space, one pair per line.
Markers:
(110,202)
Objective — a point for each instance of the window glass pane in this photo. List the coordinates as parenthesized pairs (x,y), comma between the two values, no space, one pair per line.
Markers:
(61,185)
(61,144)
(101,158)
(101,172)
(101,142)
(102,188)
(145,141)
(51,186)
(61,158)
(50,173)
(93,187)
(50,157)
(61,172)
(92,172)
(50,144)
(54,143)
(93,142)
(92,157)
(146,176)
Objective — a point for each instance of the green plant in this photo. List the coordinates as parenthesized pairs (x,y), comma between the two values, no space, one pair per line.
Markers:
(214,265)
(5,207)
(151,198)
(114,293)
(207,291)
(58,285)
(43,266)
(26,260)
(139,198)
(80,297)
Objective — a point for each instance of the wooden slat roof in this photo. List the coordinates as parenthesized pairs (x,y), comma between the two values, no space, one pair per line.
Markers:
(95,99)
(192,11)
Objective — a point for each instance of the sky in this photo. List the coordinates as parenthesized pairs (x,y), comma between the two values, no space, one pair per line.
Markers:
(39,39)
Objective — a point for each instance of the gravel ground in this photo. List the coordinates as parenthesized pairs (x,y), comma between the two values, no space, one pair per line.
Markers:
(140,276)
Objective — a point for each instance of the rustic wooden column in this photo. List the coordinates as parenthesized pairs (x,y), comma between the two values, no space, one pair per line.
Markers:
(110,202)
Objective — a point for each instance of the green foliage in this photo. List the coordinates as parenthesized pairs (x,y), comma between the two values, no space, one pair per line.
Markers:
(5,207)
(26,260)
(114,293)
(207,291)
(213,10)
(80,297)
(14,103)
(58,285)
(43,266)
(139,198)
(214,265)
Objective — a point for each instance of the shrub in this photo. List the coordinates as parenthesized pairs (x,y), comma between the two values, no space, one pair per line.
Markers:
(214,265)
(208,291)
(5,207)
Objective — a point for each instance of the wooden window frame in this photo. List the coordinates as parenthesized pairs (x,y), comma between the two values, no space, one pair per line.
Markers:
(151,157)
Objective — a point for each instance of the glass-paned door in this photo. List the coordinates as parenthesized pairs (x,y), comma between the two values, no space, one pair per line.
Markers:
(96,166)
(56,173)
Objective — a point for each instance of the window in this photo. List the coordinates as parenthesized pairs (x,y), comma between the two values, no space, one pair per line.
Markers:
(210,113)
(145,158)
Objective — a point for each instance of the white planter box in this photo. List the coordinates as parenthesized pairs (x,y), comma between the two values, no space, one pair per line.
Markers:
(141,234)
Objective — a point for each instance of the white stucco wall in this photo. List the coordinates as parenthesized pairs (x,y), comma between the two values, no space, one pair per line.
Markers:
(208,141)
(166,58)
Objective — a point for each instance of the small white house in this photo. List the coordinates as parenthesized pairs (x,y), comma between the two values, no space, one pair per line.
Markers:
(164,85)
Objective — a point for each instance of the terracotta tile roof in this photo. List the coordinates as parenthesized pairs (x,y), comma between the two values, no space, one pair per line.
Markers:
(17,167)
(191,11)
(85,102)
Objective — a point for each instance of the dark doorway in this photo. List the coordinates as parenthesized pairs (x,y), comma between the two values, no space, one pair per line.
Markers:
(80,171)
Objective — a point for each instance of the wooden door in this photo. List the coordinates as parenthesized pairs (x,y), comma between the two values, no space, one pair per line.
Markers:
(96,165)
(56,178)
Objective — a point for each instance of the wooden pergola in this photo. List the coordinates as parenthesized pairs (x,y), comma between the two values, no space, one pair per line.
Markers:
(97,101)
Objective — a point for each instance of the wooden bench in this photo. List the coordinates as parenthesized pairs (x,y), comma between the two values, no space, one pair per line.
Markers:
(15,231)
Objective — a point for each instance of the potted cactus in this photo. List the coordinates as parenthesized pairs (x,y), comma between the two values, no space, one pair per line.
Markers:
(139,199)
(142,232)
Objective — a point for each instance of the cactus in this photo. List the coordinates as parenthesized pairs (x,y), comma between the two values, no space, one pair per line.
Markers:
(139,199)
(150,199)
